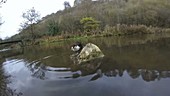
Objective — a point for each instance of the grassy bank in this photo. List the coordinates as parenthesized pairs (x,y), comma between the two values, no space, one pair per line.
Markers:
(119,30)
(122,31)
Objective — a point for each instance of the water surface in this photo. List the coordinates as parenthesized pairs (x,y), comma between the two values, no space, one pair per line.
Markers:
(132,66)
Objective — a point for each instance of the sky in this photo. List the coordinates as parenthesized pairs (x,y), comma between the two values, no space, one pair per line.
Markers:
(11,12)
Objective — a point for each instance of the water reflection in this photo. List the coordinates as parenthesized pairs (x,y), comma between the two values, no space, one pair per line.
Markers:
(5,53)
(147,75)
(87,68)
(49,71)
(5,90)
(39,70)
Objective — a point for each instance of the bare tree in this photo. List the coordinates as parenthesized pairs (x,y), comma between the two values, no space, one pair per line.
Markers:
(2,2)
(77,2)
(31,18)
(67,5)
(1,22)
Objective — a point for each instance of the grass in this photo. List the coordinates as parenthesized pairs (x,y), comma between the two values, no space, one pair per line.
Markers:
(118,30)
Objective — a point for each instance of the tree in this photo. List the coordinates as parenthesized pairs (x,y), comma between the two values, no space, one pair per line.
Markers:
(2,2)
(89,24)
(31,17)
(53,28)
(67,5)
(1,22)
(77,2)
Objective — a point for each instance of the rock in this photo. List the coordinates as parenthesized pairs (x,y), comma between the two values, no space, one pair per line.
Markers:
(89,52)
(88,61)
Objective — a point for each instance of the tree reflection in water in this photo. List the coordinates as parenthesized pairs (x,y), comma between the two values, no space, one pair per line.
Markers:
(147,75)
(37,69)
(97,68)
(4,81)
(141,62)
(86,68)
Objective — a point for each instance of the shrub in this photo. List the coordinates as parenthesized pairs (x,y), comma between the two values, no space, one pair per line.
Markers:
(89,24)
(131,29)
(53,28)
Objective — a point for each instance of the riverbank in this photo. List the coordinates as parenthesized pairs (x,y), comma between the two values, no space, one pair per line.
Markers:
(115,31)
(109,31)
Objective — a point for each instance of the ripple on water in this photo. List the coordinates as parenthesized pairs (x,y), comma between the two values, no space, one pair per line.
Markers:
(126,70)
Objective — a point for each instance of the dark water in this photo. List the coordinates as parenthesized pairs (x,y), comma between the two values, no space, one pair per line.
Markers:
(132,66)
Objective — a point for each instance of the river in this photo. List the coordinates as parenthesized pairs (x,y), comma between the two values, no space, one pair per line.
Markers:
(132,66)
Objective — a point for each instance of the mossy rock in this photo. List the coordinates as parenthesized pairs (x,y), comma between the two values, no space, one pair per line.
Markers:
(89,52)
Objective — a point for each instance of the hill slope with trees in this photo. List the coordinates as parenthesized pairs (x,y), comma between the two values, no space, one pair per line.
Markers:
(108,17)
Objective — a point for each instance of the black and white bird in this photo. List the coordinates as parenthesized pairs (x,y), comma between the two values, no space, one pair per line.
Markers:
(77,47)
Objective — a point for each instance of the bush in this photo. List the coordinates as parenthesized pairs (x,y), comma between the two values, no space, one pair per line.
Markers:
(131,29)
(89,24)
(53,28)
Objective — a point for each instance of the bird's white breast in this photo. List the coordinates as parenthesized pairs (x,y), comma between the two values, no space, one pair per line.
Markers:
(75,48)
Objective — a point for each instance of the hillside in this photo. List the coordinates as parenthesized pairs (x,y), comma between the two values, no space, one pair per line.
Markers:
(108,13)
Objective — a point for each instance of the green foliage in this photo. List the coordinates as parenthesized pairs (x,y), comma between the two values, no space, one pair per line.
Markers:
(53,28)
(89,24)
